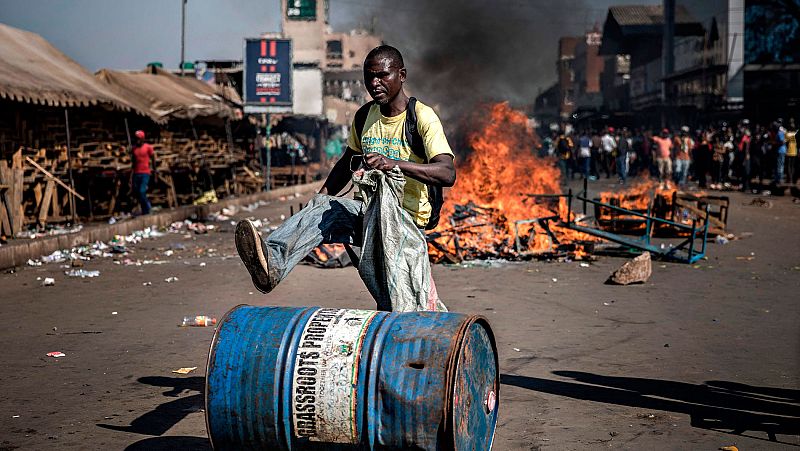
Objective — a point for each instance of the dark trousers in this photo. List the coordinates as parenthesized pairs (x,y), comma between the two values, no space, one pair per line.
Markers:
(140,182)
(606,161)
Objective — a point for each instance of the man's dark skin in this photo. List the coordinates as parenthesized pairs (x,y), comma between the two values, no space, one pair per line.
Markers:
(384,80)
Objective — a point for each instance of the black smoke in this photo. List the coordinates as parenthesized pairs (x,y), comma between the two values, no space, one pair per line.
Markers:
(461,53)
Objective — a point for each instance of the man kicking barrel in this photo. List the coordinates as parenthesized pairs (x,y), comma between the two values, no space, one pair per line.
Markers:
(391,131)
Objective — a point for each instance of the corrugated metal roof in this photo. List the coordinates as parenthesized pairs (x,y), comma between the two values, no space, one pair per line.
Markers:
(647,15)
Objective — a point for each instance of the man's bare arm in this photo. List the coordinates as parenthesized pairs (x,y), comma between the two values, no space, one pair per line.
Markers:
(440,171)
(340,174)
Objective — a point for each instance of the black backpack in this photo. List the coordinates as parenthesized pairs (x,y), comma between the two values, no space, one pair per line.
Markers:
(435,193)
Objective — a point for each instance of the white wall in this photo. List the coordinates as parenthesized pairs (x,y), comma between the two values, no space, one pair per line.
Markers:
(307,91)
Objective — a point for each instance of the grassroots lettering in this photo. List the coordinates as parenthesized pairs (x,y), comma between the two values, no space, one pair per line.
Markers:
(306,382)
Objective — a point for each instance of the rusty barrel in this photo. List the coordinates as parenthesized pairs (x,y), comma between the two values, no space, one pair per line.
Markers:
(312,378)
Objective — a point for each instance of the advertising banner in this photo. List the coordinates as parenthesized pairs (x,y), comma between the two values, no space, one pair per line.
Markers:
(267,75)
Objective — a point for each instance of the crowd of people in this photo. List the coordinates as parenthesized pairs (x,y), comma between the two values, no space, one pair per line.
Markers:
(752,158)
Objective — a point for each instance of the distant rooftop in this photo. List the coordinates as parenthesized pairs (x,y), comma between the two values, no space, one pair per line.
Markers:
(647,15)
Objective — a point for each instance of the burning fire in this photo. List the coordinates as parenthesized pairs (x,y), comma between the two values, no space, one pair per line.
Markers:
(491,212)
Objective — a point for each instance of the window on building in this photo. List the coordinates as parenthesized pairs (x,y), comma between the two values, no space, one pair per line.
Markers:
(333,49)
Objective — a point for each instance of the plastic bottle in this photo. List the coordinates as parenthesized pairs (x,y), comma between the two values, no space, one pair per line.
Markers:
(198,321)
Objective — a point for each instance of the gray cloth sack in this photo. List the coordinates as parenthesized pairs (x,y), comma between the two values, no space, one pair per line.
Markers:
(394,255)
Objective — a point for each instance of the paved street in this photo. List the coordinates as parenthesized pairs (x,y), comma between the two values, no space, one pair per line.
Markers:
(697,358)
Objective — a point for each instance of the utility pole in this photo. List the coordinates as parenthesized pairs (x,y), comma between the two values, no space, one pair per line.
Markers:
(667,56)
(183,33)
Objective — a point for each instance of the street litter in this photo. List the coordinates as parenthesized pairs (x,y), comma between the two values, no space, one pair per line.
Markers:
(48,282)
(113,313)
(219,217)
(555,280)
(56,354)
(82,273)
(516,349)
(115,246)
(729,448)
(759,202)
(52,230)
(198,321)
(185,370)
(168,253)
(171,279)
(721,240)
(637,270)
(147,284)
(584,265)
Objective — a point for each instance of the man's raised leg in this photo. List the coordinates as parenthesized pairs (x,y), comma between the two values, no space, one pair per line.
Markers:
(326,219)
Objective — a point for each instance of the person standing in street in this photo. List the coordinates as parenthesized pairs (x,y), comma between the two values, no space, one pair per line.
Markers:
(701,157)
(596,149)
(791,152)
(609,144)
(564,149)
(141,169)
(663,155)
(683,156)
(780,144)
(584,153)
(623,148)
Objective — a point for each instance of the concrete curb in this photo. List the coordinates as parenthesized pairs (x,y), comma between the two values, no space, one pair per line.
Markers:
(19,251)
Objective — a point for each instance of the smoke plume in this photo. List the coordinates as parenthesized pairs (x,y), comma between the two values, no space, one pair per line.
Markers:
(460,53)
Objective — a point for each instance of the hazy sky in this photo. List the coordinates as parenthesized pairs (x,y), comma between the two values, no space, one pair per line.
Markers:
(124,34)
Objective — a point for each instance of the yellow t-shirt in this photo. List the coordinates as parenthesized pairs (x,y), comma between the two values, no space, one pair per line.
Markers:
(791,143)
(385,135)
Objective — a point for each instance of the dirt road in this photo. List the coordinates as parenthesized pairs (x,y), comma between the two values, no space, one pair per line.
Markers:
(698,357)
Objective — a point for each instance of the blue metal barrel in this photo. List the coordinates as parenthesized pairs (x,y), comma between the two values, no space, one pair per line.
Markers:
(310,378)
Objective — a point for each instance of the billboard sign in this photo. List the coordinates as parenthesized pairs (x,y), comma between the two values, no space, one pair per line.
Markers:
(301,9)
(267,75)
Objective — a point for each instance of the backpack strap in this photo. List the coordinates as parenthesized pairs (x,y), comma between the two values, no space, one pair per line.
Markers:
(412,131)
(360,118)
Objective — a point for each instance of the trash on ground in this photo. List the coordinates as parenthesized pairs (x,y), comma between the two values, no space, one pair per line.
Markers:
(82,273)
(198,321)
(759,202)
(516,349)
(729,448)
(56,354)
(171,279)
(51,230)
(185,370)
(637,270)
(147,284)
(169,252)
(48,282)
(113,313)
(721,240)
(584,265)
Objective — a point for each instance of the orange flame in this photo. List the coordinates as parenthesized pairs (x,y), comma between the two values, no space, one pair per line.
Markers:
(493,192)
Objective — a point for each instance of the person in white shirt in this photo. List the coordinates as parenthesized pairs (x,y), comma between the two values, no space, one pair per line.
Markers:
(609,143)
